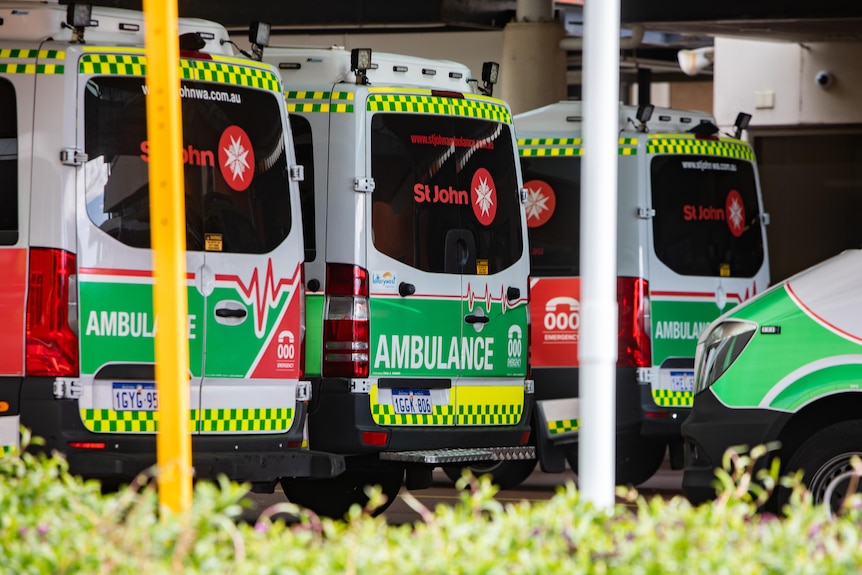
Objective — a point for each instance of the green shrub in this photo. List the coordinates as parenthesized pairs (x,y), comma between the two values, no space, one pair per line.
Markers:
(54,523)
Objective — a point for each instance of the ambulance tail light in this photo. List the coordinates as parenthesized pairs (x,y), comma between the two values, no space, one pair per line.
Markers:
(633,327)
(52,343)
(346,336)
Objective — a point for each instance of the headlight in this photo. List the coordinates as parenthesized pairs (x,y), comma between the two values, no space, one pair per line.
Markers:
(717,352)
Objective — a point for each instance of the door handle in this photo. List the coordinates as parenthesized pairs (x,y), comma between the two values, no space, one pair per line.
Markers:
(226,312)
(471,319)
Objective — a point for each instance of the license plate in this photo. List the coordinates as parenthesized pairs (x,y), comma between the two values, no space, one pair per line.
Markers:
(416,401)
(135,397)
(682,380)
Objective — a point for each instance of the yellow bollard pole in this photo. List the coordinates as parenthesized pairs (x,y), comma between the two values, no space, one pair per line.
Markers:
(170,300)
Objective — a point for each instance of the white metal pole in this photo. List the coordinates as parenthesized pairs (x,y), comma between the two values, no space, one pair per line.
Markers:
(598,341)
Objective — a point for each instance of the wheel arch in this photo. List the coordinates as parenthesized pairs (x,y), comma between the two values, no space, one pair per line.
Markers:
(816,416)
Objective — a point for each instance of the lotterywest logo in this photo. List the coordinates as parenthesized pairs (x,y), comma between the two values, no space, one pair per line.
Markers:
(733,213)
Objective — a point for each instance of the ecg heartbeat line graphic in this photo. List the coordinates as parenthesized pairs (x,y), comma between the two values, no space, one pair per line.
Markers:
(488,298)
(262,297)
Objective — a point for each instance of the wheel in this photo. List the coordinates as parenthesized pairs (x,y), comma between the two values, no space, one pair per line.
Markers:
(504,474)
(333,497)
(824,459)
(637,459)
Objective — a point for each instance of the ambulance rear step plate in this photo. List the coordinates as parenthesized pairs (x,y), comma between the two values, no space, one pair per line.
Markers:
(469,455)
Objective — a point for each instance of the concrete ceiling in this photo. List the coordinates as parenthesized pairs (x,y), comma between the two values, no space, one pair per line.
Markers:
(776,20)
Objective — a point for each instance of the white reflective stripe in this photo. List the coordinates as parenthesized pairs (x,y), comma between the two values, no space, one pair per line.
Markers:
(805,370)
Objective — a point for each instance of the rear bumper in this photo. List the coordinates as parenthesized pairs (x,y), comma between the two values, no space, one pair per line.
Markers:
(710,430)
(243,457)
(339,419)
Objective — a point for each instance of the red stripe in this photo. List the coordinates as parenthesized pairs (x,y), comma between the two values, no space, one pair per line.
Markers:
(819,319)
(735,296)
(123,273)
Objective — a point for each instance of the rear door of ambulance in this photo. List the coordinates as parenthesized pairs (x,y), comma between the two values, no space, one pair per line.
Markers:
(707,248)
(446,232)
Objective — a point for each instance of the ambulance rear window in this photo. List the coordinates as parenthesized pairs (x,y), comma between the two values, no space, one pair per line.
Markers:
(304,146)
(446,193)
(553,214)
(707,218)
(8,164)
(237,197)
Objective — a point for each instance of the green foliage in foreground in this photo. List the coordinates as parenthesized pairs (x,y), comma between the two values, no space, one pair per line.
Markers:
(53,523)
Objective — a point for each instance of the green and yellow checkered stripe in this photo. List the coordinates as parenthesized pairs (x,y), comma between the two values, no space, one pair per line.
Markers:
(8,450)
(384,414)
(259,419)
(35,61)
(428,104)
(563,426)
(553,147)
(490,414)
(227,72)
(324,102)
(688,144)
(207,420)
(668,398)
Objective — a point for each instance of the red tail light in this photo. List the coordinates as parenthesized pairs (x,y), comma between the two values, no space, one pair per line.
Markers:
(633,337)
(346,334)
(52,343)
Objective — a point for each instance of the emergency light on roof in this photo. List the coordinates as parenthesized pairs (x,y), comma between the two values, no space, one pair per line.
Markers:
(258,37)
(78,17)
(360,63)
(490,72)
(741,123)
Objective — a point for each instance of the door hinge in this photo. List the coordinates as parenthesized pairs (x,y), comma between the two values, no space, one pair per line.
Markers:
(764,218)
(363,184)
(523,195)
(297,173)
(73,157)
(646,213)
(65,388)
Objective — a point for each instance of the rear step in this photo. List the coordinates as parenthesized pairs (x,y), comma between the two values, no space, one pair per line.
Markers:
(470,455)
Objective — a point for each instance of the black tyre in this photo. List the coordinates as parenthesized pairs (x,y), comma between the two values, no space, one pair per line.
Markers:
(637,459)
(334,497)
(824,459)
(504,474)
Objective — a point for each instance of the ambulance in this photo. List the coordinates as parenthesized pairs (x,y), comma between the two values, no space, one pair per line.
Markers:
(75,243)
(784,369)
(691,244)
(416,268)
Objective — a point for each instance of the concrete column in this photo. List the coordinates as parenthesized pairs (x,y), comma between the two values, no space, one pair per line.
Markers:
(533,67)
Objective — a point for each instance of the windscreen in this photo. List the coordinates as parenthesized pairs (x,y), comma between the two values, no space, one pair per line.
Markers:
(553,214)
(707,217)
(234,163)
(446,193)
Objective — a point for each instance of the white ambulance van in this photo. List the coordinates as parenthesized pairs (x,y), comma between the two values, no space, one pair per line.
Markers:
(785,368)
(416,268)
(691,244)
(77,305)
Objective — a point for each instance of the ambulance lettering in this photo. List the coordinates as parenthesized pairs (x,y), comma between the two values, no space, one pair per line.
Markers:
(679,329)
(104,323)
(562,319)
(432,352)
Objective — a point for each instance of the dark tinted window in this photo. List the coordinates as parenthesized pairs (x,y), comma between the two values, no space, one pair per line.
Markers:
(302,142)
(553,214)
(236,188)
(446,195)
(8,164)
(707,221)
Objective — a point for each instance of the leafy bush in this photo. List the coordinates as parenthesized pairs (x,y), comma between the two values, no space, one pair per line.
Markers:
(54,523)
